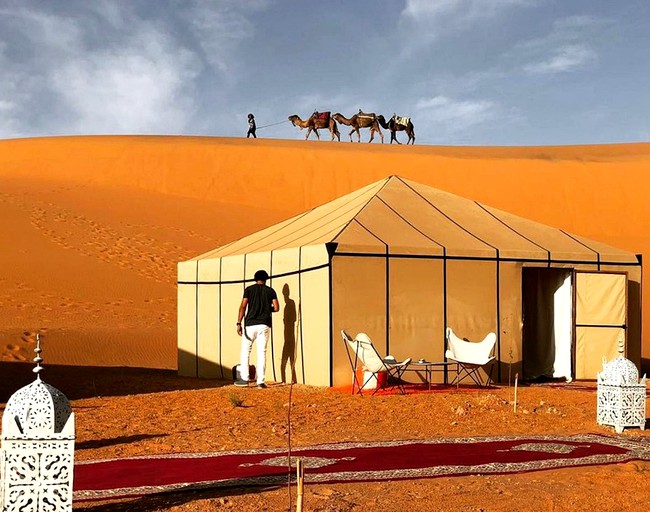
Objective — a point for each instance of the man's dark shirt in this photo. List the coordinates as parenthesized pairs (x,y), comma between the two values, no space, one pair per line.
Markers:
(260,304)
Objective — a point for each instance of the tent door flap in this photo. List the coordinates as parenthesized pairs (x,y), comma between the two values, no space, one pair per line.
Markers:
(600,319)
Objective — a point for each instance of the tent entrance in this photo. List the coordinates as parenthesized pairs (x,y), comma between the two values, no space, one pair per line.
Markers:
(601,319)
(547,297)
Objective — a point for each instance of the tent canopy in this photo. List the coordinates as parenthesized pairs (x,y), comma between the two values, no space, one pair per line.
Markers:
(396,216)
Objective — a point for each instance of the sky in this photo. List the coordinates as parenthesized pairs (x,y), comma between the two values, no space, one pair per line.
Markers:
(467,72)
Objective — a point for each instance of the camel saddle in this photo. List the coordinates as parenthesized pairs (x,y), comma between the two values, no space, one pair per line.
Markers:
(322,115)
(364,114)
(404,121)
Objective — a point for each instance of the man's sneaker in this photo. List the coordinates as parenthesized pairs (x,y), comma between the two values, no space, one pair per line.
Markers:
(241,383)
(262,386)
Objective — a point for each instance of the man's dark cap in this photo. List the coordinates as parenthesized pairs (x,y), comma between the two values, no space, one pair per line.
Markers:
(261,275)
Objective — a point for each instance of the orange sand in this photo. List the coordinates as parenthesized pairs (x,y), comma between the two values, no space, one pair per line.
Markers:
(92,227)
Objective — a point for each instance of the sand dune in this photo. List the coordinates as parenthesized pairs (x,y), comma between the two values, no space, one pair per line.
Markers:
(92,227)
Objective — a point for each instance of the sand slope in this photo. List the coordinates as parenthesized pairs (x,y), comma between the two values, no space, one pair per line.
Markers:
(92,227)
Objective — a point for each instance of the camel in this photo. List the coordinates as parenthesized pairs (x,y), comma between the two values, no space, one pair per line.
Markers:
(361,120)
(394,127)
(315,122)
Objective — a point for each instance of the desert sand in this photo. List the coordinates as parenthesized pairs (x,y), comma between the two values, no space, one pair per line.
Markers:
(92,229)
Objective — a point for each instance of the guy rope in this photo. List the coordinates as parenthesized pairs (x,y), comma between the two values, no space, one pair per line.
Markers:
(272,124)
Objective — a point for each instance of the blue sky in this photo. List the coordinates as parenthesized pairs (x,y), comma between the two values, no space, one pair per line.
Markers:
(468,72)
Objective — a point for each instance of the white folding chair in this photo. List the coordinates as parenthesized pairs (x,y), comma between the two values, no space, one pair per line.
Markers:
(471,357)
(372,364)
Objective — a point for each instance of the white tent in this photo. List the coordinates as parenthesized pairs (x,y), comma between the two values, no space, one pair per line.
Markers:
(402,261)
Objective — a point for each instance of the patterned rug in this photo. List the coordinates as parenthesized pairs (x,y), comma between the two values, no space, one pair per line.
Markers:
(351,462)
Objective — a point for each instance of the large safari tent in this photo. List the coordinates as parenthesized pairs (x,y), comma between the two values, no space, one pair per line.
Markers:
(403,261)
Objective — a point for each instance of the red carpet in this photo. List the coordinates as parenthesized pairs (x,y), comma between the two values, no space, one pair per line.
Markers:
(351,462)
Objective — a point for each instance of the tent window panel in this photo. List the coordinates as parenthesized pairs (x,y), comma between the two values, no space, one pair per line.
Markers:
(600,298)
(286,363)
(633,331)
(601,311)
(511,320)
(209,332)
(472,298)
(232,268)
(209,270)
(592,344)
(359,305)
(187,330)
(231,296)
(314,350)
(417,323)
(286,329)
(255,262)
(187,271)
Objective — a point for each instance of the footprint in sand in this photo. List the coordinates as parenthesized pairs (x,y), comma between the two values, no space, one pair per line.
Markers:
(12,352)
(30,337)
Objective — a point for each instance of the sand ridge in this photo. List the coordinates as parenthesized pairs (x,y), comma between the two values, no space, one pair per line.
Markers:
(92,227)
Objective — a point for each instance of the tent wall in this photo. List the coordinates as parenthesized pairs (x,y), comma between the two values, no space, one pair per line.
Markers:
(420,296)
(231,289)
(210,292)
(634,305)
(286,343)
(472,298)
(601,319)
(417,308)
(509,349)
(187,319)
(358,305)
(314,322)
(209,320)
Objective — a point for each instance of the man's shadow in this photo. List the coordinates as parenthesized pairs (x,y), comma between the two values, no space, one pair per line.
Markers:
(289,349)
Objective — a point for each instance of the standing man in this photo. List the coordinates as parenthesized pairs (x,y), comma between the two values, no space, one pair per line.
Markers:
(251,126)
(259,302)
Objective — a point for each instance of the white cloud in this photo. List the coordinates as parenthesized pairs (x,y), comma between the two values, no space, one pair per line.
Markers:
(220,27)
(424,22)
(436,17)
(455,115)
(419,9)
(104,67)
(565,48)
(564,59)
(134,81)
(139,87)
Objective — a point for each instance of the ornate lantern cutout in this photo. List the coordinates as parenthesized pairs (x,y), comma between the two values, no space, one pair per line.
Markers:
(37,450)
(621,396)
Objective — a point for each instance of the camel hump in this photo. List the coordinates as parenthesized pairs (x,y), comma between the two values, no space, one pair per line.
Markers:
(370,115)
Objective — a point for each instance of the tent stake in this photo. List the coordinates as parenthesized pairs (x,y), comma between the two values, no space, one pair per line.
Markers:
(300,474)
(516,379)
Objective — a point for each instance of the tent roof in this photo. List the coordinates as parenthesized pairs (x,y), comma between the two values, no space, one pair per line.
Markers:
(397,216)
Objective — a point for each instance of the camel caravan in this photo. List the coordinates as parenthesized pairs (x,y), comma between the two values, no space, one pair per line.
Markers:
(320,120)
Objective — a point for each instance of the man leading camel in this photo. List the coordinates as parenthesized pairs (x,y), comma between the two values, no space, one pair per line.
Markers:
(259,302)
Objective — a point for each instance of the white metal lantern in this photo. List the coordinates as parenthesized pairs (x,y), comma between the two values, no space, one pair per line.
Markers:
(37,448)
(621,396)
